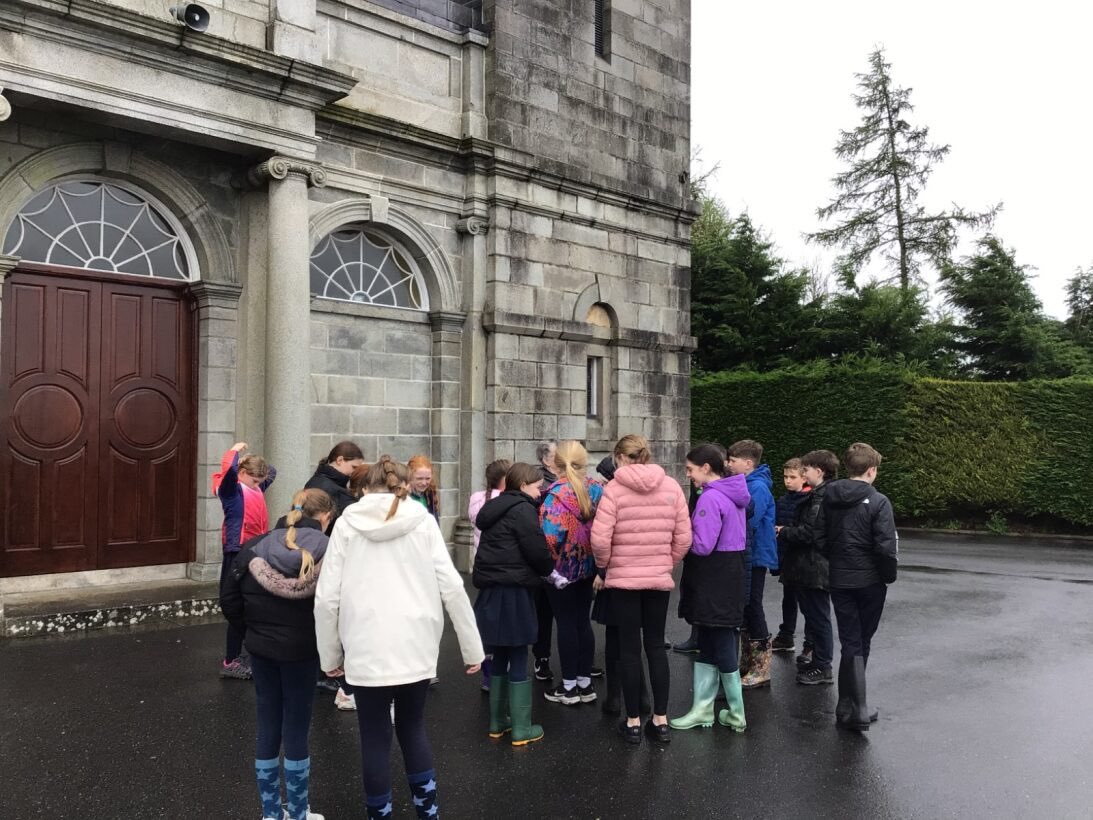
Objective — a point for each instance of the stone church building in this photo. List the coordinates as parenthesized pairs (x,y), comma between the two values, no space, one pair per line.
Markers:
(450,227)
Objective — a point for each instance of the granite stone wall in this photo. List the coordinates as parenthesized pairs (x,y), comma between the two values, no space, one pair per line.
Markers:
(621,122)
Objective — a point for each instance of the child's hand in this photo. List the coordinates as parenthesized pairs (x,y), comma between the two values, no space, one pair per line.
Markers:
(474,669)
(339,672)
(239,446)
(597,583)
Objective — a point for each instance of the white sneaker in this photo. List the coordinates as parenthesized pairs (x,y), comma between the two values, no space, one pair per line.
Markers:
(310,815)
(347,703)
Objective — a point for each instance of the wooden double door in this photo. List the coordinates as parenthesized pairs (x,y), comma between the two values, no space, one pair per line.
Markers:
(98,438)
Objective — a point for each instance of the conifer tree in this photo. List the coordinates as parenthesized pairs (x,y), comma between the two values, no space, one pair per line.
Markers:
(877,207)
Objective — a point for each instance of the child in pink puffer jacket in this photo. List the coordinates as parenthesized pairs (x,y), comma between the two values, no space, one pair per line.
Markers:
(641,531)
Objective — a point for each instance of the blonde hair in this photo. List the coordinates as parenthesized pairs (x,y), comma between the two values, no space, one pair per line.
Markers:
(635,448)
(389,476)
(571,459)
(306,504)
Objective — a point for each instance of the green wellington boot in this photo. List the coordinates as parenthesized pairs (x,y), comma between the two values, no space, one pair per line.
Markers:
(705,690)
(500,722)
(733,716)
(523,730)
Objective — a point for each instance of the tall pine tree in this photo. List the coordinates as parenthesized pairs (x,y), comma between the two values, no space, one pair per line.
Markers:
(889,163)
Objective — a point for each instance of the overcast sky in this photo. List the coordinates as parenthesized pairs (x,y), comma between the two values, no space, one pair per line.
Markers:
(1008,86)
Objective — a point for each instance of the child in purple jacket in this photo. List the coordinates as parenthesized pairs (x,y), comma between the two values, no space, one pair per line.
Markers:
(713,588)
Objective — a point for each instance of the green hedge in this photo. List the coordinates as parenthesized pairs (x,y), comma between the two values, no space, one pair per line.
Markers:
(954,451)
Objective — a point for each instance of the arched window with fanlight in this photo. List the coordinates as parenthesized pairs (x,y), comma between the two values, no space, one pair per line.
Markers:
(100,226)
(359,264)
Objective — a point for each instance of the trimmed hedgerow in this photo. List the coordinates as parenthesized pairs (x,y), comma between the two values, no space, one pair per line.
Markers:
(954,451)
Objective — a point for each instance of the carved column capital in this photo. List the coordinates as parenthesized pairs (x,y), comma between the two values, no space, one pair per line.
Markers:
(216,294)
(5,106)
(447,321)
(473,225)
(7,265)
(278,168)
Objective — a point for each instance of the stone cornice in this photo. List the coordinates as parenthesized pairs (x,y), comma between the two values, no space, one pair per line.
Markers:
(520,324)
(278,168)
(118,32)
(354,128)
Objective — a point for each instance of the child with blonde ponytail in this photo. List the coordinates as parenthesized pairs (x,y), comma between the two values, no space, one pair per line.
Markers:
(379,616)
(566,518)
(269,596)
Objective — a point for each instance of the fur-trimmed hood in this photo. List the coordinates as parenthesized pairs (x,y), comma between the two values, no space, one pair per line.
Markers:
(283,586)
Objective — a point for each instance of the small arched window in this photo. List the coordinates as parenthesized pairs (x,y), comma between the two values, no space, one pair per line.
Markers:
(361,265)
(98,226)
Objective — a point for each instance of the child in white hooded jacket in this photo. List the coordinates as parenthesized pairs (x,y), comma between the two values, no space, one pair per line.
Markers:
(379,616)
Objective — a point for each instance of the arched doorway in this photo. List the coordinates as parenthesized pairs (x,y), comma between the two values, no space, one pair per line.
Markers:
(97,369)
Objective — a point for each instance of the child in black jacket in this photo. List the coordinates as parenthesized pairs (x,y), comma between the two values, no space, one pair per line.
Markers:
(269,595)
(856,530)
(511,561)
(785,508)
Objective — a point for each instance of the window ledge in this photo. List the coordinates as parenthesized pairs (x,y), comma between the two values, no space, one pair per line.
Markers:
(334,306)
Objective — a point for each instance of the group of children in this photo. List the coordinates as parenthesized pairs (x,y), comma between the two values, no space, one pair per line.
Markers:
(306,596)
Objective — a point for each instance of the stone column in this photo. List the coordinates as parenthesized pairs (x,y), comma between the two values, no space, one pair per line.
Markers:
(287,436)
(7,265)
(472,422)
(217,306)
(447,366)
(5,106)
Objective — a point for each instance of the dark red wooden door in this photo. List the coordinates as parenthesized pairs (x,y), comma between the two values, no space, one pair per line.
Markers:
(96,456)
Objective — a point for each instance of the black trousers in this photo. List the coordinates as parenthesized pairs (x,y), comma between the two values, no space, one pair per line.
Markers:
(717,646)
(374,721)
(816,607)
(789,611)
(576,640)
(640,615)
(541,648)
(755,620)
(858,612)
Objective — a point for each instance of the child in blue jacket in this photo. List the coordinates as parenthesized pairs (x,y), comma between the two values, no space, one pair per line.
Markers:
(761,556)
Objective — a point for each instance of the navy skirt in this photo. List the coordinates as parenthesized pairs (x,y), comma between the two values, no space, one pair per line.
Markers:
(601,608)
(506,616)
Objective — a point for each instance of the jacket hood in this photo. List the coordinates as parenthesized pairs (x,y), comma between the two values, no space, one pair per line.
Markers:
(497,508)
(760,474)
(272,548)
(846,492)
(733,487)
(641,478)
(367,516)
(329,472)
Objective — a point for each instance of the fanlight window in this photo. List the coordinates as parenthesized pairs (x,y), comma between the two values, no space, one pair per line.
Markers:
(98,226)
(357,265)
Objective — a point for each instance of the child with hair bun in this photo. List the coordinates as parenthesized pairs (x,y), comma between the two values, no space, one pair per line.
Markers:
(269,596)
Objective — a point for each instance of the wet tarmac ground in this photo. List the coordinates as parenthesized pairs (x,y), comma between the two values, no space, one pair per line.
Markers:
(981,668)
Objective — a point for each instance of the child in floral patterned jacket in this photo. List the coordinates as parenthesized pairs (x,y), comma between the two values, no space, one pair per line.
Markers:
(566,519)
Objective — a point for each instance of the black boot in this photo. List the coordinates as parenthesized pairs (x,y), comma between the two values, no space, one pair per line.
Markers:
(859,717)
(842,709)
(690,645)
(612,702)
